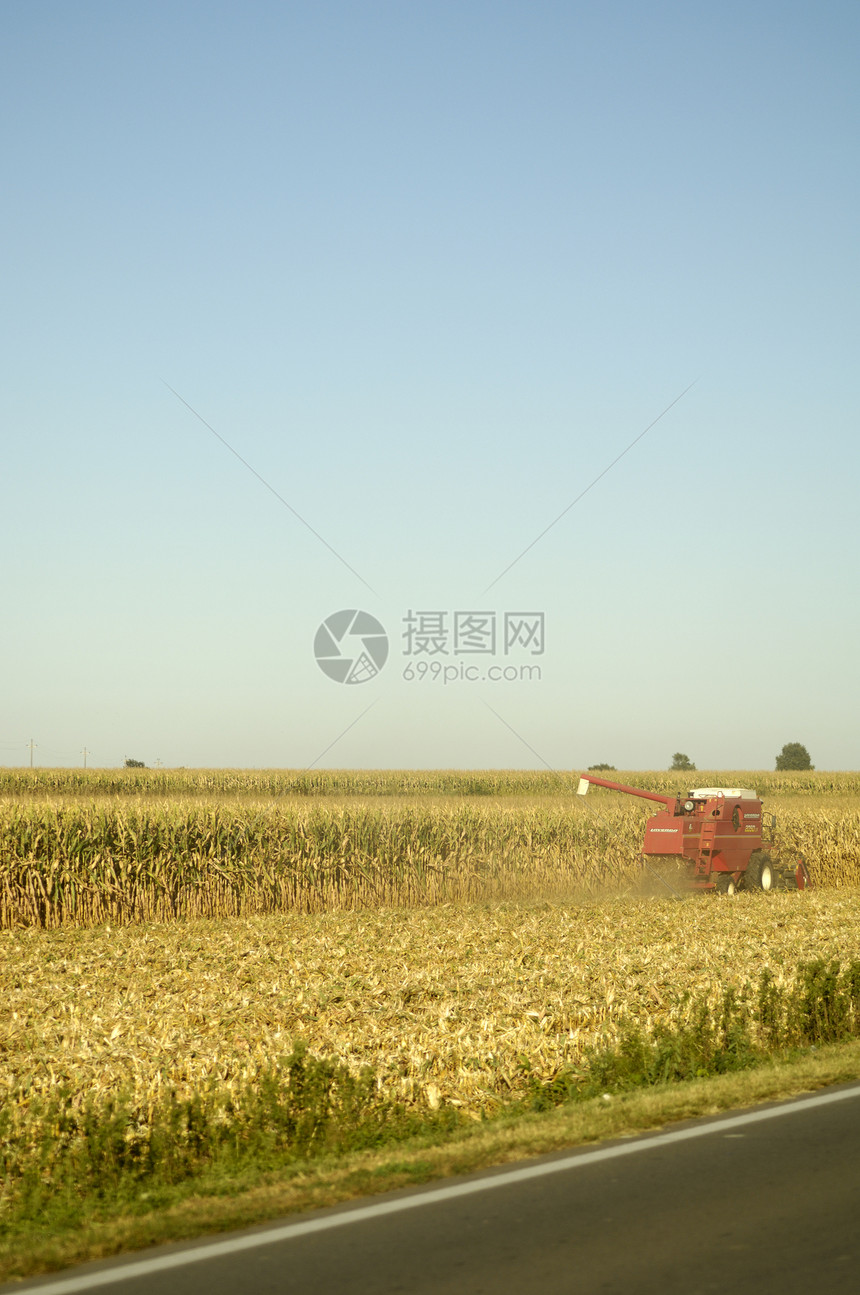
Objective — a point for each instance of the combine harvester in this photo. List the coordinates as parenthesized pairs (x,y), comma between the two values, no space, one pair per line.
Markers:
(719,833)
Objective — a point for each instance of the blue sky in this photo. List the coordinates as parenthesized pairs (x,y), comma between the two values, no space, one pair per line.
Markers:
(429,269)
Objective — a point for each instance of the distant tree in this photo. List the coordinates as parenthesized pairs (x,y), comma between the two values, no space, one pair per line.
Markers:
(601,768)
(682,762)
(794,755)
(134,764)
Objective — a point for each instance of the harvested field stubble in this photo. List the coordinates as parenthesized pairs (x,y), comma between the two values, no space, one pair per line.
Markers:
(461,1004)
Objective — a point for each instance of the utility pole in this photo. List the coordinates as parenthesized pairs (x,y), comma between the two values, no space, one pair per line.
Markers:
(85,753)
(32,744)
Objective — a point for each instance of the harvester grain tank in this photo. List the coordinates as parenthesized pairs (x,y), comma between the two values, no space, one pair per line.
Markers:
(719,833)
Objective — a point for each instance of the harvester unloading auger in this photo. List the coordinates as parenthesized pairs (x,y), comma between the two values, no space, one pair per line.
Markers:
(719,832)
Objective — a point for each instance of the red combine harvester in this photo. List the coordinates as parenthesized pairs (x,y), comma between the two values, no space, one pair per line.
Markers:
(719,832)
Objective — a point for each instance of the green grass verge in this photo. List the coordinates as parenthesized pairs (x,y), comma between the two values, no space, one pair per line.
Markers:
(95,1182)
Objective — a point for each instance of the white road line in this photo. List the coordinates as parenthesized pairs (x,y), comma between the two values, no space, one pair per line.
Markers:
(217,1249)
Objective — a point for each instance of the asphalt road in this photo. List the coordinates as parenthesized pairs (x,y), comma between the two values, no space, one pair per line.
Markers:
(765,1201)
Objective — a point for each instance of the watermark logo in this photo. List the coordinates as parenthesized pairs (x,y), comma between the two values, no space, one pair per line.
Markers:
(437,646)
(473,633)
(432,642)
(351,646)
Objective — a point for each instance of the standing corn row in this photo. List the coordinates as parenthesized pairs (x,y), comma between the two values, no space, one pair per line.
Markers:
(84,865)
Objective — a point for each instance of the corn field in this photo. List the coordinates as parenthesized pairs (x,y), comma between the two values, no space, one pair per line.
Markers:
(90,783)
(83,865)
(67,861)
(463,945)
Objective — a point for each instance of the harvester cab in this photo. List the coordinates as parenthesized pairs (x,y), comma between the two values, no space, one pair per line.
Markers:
(718,833)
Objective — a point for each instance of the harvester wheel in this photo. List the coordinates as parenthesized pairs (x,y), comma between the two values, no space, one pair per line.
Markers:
(760,874)
(726,884)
